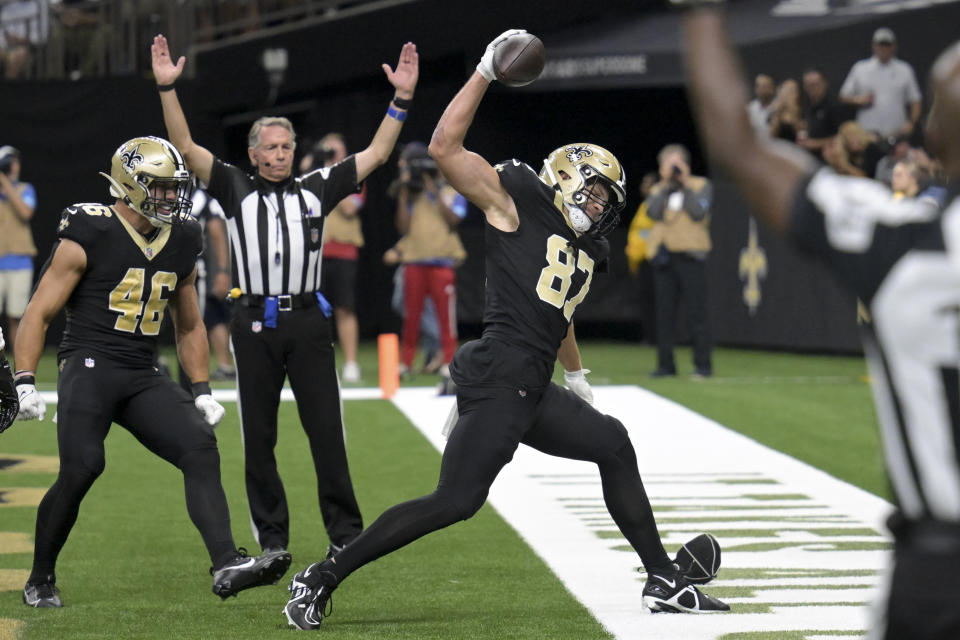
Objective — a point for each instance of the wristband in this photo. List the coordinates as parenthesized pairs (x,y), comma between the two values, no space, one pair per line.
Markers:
(402,103)
(399,116)
(201,389)
(165,87)
(25,379)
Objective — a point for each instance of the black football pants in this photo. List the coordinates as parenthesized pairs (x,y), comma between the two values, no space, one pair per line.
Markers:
(492,423)
(301,348)
(93,393)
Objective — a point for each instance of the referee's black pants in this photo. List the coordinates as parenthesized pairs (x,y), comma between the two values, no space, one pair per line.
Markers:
(301,348)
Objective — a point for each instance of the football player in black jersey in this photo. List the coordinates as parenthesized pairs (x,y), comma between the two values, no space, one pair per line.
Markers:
(544,237)
(116,268)
(902,259)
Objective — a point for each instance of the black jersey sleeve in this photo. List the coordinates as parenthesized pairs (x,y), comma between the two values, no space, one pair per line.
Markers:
(84,223)
(856,227)
(333,184)
(517,176)
(193,235)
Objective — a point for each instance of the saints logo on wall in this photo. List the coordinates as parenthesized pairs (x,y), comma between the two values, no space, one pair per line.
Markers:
(753,269)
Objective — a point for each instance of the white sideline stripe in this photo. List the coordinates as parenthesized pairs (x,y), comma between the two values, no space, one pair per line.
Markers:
(675,443)
(230,395)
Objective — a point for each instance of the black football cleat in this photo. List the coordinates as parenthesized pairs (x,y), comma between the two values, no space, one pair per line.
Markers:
(674,594)
(311,591)
(246,572)
(42,595)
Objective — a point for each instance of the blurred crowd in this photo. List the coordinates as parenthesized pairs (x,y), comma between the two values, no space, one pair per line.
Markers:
(55,39)
(870,127)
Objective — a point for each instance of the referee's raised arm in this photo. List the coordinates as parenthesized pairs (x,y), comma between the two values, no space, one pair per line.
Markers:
(404,81)
(199,159)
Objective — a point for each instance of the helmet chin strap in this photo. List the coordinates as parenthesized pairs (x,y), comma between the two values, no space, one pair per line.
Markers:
(581,221)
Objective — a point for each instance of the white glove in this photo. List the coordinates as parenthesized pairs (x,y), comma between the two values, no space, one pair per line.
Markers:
(485,68)
(577,382)
(32,406)
(210,409)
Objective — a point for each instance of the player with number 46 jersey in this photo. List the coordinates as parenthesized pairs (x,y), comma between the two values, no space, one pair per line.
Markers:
(117,269)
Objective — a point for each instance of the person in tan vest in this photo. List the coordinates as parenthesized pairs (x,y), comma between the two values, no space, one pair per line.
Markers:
(18,200)
(678,247)
(342,240)
(428,212)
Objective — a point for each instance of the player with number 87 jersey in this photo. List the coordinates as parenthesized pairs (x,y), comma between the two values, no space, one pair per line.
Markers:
(544,236)
(116,268)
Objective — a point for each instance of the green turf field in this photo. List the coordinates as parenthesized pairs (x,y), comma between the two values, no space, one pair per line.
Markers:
(134,567)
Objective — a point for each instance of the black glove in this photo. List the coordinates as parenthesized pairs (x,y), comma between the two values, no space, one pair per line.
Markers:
(9,405)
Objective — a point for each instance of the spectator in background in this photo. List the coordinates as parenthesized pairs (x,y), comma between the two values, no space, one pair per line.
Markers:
(342,239)
(428,212)
(85,37)
(761,107)
(679,204)
(853,151)
(884,90)
(24,26)
(895,153)
(786,117)
(429,327)
(637,258)
(822,114)
(18,200)
(906,179)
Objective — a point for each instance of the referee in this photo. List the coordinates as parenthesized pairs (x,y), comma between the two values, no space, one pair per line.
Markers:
(280,325)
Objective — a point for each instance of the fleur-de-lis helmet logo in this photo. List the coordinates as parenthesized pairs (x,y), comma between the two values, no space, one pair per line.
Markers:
(131,158)
(576,154)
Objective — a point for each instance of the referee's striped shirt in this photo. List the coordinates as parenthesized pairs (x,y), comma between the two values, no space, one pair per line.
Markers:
(276,228)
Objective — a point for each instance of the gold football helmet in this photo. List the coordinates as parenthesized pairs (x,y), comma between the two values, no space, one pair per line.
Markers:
(572,168)
(143,172)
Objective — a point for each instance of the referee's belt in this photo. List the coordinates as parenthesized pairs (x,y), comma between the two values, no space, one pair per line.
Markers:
(286,302)
(273,305)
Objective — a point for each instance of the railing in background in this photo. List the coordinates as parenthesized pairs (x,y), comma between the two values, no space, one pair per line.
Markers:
(73,39)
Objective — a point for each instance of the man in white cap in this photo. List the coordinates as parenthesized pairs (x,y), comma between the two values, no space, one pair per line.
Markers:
(884,89)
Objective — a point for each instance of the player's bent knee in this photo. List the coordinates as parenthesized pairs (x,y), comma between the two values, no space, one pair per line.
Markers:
(81,470)
(459,505)
(204,460)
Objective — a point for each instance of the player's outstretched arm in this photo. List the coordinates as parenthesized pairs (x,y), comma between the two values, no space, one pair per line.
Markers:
(767,173)
(466,171)
(166,73)
(404,81)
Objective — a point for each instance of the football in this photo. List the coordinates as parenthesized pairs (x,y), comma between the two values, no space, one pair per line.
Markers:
(699,559)
(519,59)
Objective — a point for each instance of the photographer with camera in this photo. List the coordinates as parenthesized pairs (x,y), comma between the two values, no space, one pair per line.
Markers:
(18,200)
(678,246)
(428,212)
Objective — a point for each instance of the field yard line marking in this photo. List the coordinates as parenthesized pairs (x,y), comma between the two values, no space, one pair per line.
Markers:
(673,442)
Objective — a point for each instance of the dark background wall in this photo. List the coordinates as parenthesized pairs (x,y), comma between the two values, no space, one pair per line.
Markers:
(68,131)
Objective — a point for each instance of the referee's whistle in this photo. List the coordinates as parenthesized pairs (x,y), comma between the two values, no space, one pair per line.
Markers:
(235,293)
